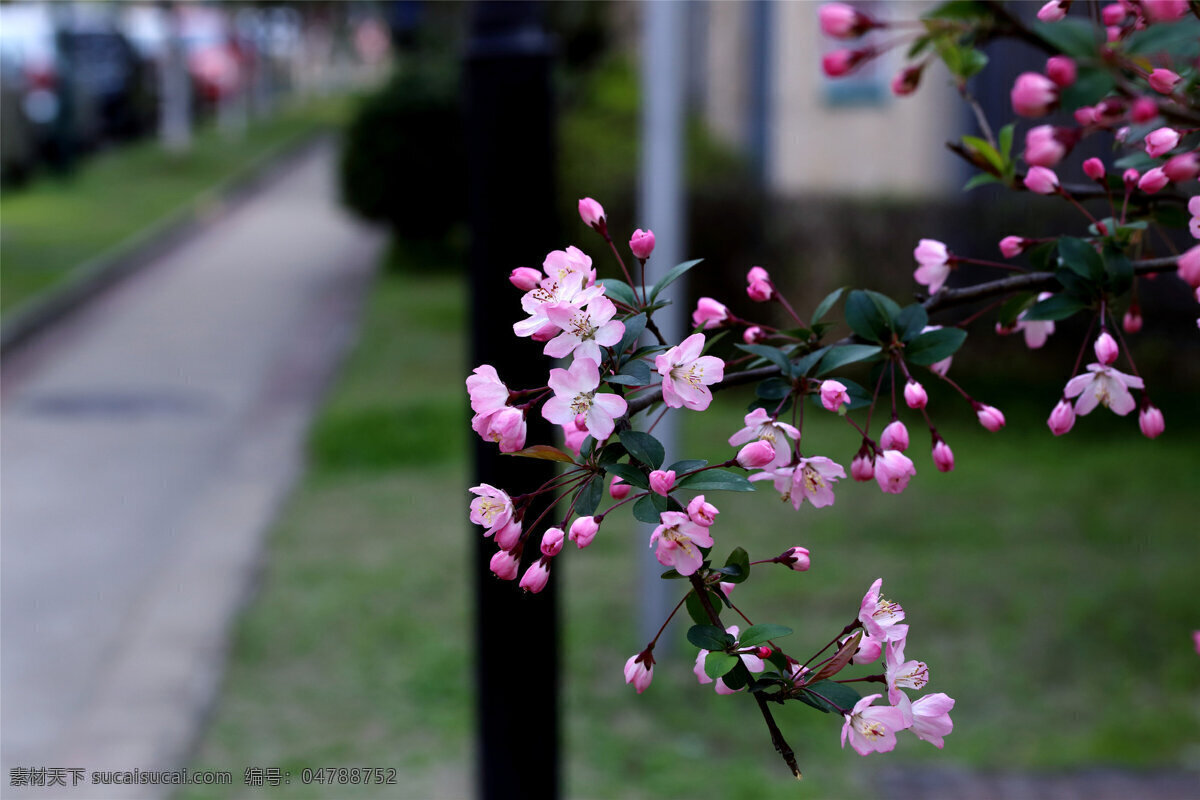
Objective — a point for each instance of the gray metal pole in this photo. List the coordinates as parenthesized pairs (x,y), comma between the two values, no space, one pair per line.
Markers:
(661,203)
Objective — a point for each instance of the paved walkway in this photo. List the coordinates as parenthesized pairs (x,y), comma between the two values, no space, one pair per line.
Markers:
(147,444)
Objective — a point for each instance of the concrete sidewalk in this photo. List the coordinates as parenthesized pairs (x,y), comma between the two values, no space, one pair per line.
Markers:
(147,444)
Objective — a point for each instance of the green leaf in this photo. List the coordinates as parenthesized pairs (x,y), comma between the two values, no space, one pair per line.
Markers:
(1056,307)
(1090,85)
(716,480)
(739,559)
(639,370)
(646,509)
(1004,138)
(869,314)
(933,346)
(1042,255)
(738,677)
(633,329)
(710,637)
(672,275)
(1081,258)
(958,10)
(773,389)
(772,354)
(843,354)
(629,473)
(644,448)
(1073,36)
(985,149)
(618,290)
(830,692)
(1181,39)
(979,180)
(1013,307)
(1171,216)
(911,321)
(1118,268)
(589,496)
(764,631)
(717,664)
(623,379)
(544,452)
(687,465)
(826,304)
(696,610)
(802,366)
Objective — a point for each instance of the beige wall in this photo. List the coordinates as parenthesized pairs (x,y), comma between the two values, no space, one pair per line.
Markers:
(893,148)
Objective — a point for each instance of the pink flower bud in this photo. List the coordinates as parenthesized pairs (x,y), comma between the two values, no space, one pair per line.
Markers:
(914,395)
(1042,147)
(702,512)
(709,313)
(1084,115)
(893,470)
(907,80)
(758,274)
(1165,10)
(797,558)
(1161,141)
(1112,33)
(552,542)
(764,651)
(756,454)
(1061,70)
(642,243)
(869,650)
(1054,10)
(1109,111)
(862,468)
(505,565)
(1182,167)
(592,214)
(546,332)
(760,291)
(1033,94)
(1163,80)
(1189,267)
(1150,420)
(525,278)
(834,395)
(894,437)
(1094,169)
(1143,110)
(989,417)
(1154,180)
(840,62)
(583,530)
(1012,246)
(1041,180)
(844,22)
(662,482)
(639,670)
(1106,348)
(943,456)
(753,335)
(536,577)
(619,489)
(1062,418)
(1132,321)
(508,536)
(1130,177)
(1113,14)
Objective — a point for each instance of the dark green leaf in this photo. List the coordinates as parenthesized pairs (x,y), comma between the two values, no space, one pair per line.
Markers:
(958,9)
(764,631)
(589,496)
(671,575)
(834,697)
(618,290)
(1119,269)
(773,389)
(985,149)
(672,275)
(826,304)
(646,510)
(772,354)
(1004,138)
(687,465)
(979,180)
(709,637)
(804,364)
(739,559)
(637,369)
(1042,255)
(843,354)
(1090,84)
(1081,258)
(1073,36)
(624,380)
(643,447)
(717,664)
(1181,39)
(716,480)
(1076,286)
(633,329)
(696,611)
(865,318)
(933,346)
(630,474)
(1013,307)
(1171,216)
(1056,307)
(911,321)
(738,677)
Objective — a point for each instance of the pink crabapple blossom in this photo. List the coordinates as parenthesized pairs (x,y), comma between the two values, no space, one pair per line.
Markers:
(813,480)
(756,454)
(584,330)
(1112,14)
(754,334)
(1161,141)
(869,649)
(639,670)
(934,261)
(862,468)
(536,577)
(1094,169)
(1062,418)
(931,718)
(1033,95)
(709,313)
(619,489)
(990,417)
(1054,10)
(1132,321)
(881,618)
(1061,70)
(662,481)
(872,729)
(508,536)
(760,426)
(575,392)
(552,542)
(841,21)
(834,395)
(702,512)
(525,278)
(1151,423)
(837,63)
(1182,168)
(943,456)
(583,531)
(1153,181)
(758,285)
(1042,147)
(915,395)
(796,558)
(642,244)
(1041,180)
(1189,267)
(1165,10)
(679,541)
(592,214)
(1143,110)
(1163,81)
(907,80)
(492,508)
(686,374)
(1106,348)
(505,565)
(894,436)
(901,674)
(1105,386)
(893,470)
(1012,246)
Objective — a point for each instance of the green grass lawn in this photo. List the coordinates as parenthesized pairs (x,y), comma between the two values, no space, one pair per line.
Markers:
(1050,585)
(58,223)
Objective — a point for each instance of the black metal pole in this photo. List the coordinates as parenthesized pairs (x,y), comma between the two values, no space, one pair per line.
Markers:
(510,145)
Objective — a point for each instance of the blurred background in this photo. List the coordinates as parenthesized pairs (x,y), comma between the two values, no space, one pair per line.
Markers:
(1049,582)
